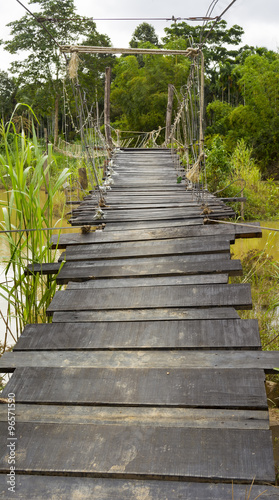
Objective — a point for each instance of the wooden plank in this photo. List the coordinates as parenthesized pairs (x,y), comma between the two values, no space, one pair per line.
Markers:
(238,296)
(146,315)
(45,268)
(166,260)
(236,231)
(157,281)
(157,248)
(33,487)
(178,387)
(150,224)
(168,360)
(136,452)
(195,334)
(128,415)
(143,203)
(148,215)
(89,271)
(234,199)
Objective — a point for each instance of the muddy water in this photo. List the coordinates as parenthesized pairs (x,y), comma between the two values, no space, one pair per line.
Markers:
(4,256)
(269,242)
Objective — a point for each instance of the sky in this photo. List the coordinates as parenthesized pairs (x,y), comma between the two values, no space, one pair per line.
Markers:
(260,20)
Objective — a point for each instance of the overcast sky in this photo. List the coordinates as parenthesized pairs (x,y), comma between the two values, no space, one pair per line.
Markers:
(259,19)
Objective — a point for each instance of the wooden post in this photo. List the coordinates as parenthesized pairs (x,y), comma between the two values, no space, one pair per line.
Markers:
(82,174)
(107,107)
(169,113)
(242,203)
(46,161)
(201,138)
(56,112)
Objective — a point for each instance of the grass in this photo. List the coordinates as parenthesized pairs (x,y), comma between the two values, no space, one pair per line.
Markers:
(226,171)
(259,269)
(24,174)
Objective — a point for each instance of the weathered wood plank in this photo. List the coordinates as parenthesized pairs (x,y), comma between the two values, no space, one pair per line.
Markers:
(202,334)
(148,215)
(33,487)
(136,452)
(161,267)
(165,259)
(150,224)
(157,248)
(236,230)
(146,315)
(44,268)
(168,360)
(193,279)
(179,387)
(238,296)
(140,415)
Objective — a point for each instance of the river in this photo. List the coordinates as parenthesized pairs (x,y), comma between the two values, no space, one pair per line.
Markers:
(269,242)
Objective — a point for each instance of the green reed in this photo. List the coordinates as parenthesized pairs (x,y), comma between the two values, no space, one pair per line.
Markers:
(25,174)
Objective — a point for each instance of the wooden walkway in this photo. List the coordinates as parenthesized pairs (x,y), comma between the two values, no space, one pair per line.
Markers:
(147,385)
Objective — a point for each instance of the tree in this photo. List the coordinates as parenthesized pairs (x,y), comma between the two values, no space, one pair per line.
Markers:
(8,92)
(144,33)
(92,66)
(140,93)
(219,52)
(44,65)
(257,121)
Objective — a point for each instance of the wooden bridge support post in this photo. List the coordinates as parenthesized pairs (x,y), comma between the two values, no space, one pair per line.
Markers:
(169,113)
(107,107)
(242,203)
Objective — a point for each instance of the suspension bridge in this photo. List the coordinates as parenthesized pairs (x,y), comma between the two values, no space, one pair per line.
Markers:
(147,384)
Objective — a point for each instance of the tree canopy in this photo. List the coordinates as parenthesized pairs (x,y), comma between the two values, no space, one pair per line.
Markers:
(241,82)
(144,33)
(43,68)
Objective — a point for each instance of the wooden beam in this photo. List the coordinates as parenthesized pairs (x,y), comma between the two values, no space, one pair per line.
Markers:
(169,112)
(107,107)
(86,49)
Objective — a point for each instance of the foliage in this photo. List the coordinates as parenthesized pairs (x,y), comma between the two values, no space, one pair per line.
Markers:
(8,91)
(25,176)
(217,165)
(215,47)
(259,78)
(218,114)
(139,94)
(259,271)
(43,68)
(144,33)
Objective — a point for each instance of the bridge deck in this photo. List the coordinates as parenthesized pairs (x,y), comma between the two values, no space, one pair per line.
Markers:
(147,384)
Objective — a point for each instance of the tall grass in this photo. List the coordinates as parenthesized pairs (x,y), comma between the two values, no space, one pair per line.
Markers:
(259,269)
(24,173)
